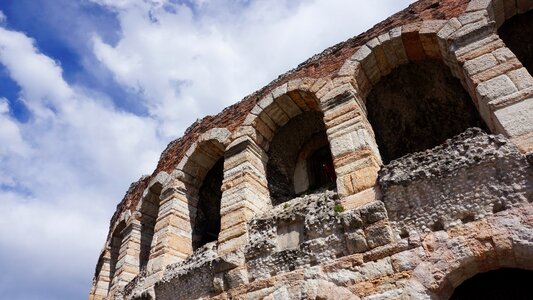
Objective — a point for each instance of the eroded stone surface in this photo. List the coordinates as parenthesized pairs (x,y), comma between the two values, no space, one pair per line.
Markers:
(468,177)
(428,222)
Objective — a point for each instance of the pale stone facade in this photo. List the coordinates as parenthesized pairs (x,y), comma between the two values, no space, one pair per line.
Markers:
(411,208)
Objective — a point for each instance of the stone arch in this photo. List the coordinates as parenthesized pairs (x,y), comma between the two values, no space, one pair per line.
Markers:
(494,77)
(101,280)
(401,55)
(500,241)
(517,31)
(283,122)
(179,198)
(201,172)
(116,253)
(148,211)
(400,45)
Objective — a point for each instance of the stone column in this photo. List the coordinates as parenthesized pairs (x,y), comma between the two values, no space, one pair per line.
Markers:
(244,192)
(172,233)
(353,146)
(100,287)
(127,266)
(501,88)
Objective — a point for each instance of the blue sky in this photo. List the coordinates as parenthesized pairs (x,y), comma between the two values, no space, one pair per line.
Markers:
(91,92)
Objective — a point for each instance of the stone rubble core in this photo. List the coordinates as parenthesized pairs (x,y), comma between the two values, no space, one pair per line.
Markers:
(409,200)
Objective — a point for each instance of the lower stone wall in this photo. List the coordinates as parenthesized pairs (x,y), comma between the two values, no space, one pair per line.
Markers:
(467,178)
(428,266)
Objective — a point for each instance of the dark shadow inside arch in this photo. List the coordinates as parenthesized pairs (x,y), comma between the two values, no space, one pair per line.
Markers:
(303,139)
(517,34)
(207,223)
(417,107)
(501,284)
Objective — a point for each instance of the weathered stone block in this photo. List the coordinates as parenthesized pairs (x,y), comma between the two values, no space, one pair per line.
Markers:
(356,241)
(495,88)
(378,234)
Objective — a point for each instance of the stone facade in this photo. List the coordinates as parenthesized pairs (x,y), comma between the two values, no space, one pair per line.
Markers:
(411,207)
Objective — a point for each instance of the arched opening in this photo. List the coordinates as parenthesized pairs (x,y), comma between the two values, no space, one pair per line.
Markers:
(203,173)
(300,159)
(116,243)
(207,223)
(497,285)
(517,34)
(418,106)
(149,211)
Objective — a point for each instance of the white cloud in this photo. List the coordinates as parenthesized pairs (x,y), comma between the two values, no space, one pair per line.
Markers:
(2,17)
(11,142)
(62,172)
(187,62)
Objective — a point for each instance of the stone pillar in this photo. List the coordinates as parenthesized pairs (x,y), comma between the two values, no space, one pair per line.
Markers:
(100,287)
(353,146)
(172,240)
(502,88)
(127,266)
(244,192)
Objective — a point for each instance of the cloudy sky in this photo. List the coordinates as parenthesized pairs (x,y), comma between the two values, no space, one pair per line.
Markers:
(91,91)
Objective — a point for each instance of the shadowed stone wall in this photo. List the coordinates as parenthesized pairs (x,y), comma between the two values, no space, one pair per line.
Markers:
(417,107)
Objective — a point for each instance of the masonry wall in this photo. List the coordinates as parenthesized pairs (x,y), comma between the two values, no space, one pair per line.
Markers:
(414,227)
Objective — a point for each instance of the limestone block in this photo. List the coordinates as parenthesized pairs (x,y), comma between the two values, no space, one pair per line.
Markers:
(521,78)
(290,235)
(317,85)
(277,114)
(233,244)
(388,50)
(280,90)
(472,17)
(428,37)
(472,32)
(288,106)
(495,88)
(497,70)
(503,54)
(266,101)
(478,48)
(407,260)
(351,220)
(516,119)
(356,241)
(411,41)
(348,67)
(373,212)
(478,5)
(363,83)
(479,64)
(378,234)
(447,30)
(364,178)
(381,59)
(297,98)
(369,63)
(397,44)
